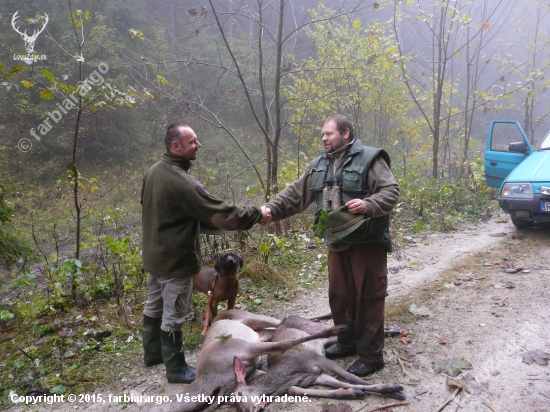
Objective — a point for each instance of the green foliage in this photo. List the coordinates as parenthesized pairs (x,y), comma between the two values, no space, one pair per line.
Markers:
(5,315)
(353,73)
(438,205)
(275,242)
(322,225)
(12,246)
(123,264)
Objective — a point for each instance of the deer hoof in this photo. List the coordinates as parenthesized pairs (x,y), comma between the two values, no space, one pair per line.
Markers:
(397,395)
(359,394)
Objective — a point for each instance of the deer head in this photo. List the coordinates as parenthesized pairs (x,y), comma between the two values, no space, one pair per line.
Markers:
(29,40)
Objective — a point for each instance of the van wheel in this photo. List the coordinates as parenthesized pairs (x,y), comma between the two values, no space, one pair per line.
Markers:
(522,224)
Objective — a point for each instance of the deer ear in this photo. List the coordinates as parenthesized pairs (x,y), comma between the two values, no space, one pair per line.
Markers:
(239,369)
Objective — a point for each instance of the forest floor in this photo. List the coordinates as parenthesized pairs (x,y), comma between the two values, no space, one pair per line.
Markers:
(476,301)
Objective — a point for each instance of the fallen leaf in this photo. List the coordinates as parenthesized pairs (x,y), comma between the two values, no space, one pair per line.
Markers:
(504,285)
(422,311)
(405,339)
(445,339)
(468,384)
(461,383)
(498,313)
(541,358)
(413,351)
(452,366)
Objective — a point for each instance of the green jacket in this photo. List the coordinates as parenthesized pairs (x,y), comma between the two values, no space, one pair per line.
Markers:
(353,177)
(375,181)
(173,204)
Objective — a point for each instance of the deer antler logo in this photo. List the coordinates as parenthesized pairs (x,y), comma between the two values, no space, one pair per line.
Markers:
(29,40)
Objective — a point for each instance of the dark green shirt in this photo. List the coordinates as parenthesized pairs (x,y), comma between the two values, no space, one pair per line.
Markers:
(174,203)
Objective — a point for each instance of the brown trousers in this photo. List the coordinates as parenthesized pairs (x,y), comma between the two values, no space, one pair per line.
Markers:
(358,283)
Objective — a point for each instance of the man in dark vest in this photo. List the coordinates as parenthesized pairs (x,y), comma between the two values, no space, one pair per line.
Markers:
(354,191)
(174,205)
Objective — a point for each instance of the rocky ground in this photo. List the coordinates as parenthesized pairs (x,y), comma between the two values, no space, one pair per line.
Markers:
(475,301)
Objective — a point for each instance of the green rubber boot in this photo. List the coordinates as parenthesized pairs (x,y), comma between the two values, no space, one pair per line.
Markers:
(150,332)
(177,370)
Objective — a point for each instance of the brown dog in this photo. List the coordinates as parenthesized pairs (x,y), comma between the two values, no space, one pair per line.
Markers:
(222,281)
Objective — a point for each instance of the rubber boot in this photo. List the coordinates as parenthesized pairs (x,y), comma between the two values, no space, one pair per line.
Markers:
(177,371)
(150,332)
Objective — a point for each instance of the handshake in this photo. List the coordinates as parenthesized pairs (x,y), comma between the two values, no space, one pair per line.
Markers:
(266,216)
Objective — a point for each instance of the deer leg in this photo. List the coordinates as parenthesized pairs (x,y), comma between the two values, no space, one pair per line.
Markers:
(327,365)
(326,393)
(253,321)
(392,390)
(330,341)
(261,348)
(327,380)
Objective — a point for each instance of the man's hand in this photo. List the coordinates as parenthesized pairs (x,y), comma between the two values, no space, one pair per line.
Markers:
(267,217)
(357,206)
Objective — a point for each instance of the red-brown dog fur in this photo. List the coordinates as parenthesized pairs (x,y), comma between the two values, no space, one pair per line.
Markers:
(226,286)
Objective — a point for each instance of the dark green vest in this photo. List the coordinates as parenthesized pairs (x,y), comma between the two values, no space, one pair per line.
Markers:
(353,177)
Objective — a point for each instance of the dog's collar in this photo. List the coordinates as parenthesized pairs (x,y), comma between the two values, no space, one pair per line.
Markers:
(227,276)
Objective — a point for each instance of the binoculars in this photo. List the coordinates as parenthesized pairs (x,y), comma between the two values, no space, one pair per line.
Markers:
(331,195)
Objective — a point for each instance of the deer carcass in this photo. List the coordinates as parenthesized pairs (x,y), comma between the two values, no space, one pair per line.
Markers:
(232,334)
(291,371)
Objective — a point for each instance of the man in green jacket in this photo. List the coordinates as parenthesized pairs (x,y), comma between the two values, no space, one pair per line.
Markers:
(358,178)
(174,204)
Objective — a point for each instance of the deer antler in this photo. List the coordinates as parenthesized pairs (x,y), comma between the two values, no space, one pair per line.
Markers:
(24,35)
(37,32)
(13,19)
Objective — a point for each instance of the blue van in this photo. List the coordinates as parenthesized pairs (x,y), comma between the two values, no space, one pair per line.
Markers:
(520,172)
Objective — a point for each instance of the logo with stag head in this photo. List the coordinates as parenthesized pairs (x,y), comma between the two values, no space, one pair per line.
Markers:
(30,39)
